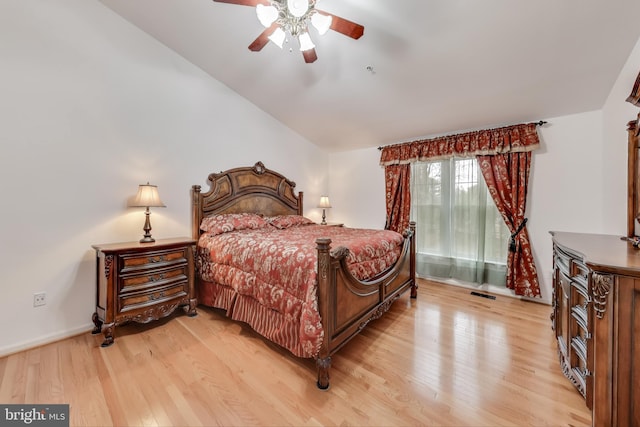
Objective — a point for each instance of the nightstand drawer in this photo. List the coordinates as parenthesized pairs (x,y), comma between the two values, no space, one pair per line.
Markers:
(154,279)
(152,259)
(158,295)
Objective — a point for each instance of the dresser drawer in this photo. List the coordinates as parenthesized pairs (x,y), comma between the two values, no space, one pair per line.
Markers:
(570,265)
(152,279)
(579,313)
(131,262)
(562,260)
(136,300)
(579,270)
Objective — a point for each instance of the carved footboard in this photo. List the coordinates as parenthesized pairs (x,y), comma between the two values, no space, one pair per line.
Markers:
(347,304)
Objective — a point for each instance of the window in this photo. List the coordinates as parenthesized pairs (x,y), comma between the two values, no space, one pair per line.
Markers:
(461,234)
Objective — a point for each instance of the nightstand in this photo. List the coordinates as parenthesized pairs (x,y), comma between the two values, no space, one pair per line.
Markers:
(334,224)
(141,282)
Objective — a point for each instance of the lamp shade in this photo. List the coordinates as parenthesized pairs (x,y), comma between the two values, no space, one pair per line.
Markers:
(324,202)
(278,37)
(267,15)
(305,42)
(147,197)
(298,7)
(321,22)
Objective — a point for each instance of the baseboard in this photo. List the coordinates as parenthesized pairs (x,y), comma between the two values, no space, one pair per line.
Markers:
(47,339)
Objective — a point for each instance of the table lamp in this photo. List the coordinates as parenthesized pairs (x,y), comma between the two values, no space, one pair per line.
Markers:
(147,197)
(324,204)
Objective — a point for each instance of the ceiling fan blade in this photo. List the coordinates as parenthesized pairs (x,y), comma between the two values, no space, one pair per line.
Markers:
(344,26)
(262,40)
(253,3)
(309,56)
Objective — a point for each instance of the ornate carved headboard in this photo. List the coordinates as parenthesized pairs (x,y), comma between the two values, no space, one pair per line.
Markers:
(253,189)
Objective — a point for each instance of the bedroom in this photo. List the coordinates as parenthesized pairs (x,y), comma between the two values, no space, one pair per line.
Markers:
(86,119)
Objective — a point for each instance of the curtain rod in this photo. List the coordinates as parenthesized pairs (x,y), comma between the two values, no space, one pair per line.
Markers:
(538,123)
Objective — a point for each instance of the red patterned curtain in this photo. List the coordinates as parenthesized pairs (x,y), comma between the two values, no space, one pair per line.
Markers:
(504,155)
(398,196)
(510,139)
(507,177)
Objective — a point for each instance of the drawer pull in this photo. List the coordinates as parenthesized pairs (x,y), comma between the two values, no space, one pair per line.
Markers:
(154,297)
(156,258)
(156,278)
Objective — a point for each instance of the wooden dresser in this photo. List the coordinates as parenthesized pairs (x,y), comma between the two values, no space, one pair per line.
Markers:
(596,319)
(141,282)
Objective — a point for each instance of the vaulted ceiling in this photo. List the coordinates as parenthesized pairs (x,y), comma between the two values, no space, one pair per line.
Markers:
(422,68)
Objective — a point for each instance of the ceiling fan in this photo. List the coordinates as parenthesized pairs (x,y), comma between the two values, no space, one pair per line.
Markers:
(293,17)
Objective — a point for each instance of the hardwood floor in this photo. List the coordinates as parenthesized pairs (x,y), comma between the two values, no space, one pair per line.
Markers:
(445,359)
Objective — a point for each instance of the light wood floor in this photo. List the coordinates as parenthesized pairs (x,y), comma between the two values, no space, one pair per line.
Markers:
(445,359)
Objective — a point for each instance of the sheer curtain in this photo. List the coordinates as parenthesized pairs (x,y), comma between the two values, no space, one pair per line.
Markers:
(461,234)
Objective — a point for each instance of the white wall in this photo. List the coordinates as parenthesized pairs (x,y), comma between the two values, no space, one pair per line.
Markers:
(565,182)
(91,107)
(357,189)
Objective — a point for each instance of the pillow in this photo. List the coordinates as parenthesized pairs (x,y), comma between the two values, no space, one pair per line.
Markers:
(223,223)
(286,221)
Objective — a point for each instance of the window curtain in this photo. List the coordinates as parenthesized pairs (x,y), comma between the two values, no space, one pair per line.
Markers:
(502,143)
(507,177)
(398,196)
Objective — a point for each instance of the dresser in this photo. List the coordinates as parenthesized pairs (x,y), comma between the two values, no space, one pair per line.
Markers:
(141,282)
(596,321)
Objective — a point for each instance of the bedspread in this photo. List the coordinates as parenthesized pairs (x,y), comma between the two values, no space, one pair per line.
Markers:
(278,268)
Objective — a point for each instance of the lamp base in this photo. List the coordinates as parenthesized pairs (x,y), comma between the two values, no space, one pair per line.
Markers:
(147,229)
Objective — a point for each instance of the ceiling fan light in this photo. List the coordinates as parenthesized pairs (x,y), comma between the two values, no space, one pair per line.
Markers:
(277,37)
(298,7)
(321,22)
(267,15)
(305,42)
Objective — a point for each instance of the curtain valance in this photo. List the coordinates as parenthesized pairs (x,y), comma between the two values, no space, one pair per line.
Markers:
(509,139)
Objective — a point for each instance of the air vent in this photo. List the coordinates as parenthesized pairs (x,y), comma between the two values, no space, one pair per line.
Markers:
(478,294)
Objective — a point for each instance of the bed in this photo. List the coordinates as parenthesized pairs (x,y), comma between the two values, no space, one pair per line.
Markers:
(309,288)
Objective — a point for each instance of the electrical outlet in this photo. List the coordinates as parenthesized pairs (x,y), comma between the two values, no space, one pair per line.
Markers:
(39,299)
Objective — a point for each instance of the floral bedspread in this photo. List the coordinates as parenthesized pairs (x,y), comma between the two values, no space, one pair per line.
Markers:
(277,267)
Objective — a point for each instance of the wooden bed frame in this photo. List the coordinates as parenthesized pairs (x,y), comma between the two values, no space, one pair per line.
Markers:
(346,305)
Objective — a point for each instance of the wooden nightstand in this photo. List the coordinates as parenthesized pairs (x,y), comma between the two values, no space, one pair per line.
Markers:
(141,282)
(334,224)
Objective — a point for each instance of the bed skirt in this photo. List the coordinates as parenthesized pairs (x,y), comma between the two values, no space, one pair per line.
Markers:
(276,327)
